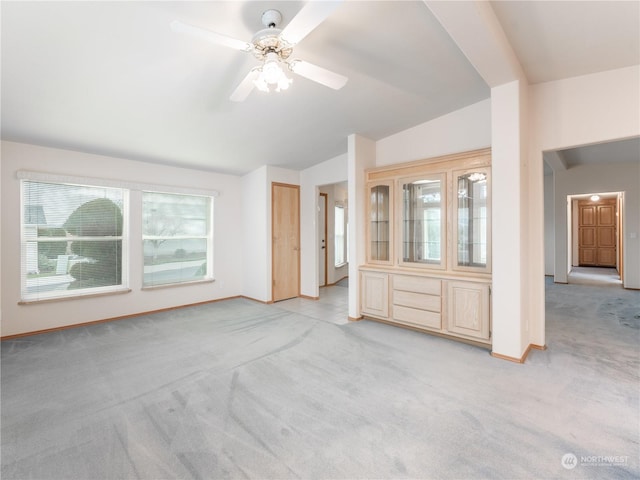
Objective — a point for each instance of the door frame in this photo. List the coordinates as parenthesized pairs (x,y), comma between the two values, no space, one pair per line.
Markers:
(620,231)
(325,251)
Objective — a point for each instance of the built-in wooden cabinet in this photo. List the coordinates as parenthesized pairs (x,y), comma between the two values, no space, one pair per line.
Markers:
(429,246)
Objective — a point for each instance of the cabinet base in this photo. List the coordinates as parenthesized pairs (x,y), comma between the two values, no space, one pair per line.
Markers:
(475,343)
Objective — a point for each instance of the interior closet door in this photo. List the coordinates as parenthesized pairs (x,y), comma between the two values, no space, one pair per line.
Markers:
(285,210)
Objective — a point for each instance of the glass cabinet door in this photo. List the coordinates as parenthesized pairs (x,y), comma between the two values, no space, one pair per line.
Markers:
(423,221)
(379,223)
(472,220)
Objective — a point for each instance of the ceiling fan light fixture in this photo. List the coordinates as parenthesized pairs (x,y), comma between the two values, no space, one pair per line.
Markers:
(272,71)
(272,77)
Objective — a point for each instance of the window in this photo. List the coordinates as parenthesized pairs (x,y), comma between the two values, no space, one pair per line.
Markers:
(177,238)
(73,239)
(339,236)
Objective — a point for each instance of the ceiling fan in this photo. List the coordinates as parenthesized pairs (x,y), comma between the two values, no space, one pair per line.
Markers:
(274,46)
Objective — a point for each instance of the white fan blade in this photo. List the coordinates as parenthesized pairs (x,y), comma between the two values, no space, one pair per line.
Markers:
(213,37)
(318,74)
(311,15)
(246,86)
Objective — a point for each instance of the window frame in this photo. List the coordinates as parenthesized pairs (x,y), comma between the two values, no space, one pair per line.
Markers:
(25,239)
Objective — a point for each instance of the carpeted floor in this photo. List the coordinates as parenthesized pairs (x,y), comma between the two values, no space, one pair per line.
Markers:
(594,276)
(237,389)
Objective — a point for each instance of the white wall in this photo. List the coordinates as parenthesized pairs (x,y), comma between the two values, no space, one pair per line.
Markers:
(256,236)
(39,316)
(588,109)
(466,129)
(331,171)
(568,113)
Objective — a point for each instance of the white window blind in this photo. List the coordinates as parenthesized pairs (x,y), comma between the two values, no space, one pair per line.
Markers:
(73,239)
(177,238)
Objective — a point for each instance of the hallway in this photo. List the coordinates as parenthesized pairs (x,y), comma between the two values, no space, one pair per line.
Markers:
(594,276)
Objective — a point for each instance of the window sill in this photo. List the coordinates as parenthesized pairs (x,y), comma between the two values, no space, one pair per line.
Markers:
(73,297)
(181,284)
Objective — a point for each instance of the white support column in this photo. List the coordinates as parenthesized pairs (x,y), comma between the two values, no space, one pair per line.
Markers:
(509,230)
(361,155)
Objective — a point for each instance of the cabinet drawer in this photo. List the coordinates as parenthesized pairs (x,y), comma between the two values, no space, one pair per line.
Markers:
(420,318)
(430,286)
(417,300)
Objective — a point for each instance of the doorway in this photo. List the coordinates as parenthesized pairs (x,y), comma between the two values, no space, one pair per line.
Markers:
(597,232)
(595,240)
(285,228)
(331,235)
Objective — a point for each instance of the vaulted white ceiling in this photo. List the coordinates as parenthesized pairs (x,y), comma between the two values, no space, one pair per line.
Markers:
(561,39)
(113,78)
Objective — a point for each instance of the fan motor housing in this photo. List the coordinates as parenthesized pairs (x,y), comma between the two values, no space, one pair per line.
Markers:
(271,18)
(268,39)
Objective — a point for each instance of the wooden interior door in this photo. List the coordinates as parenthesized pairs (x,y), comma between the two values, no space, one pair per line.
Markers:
(285,214)
(597,233)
